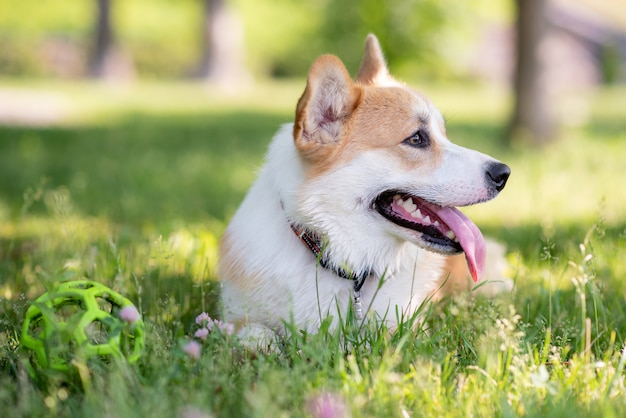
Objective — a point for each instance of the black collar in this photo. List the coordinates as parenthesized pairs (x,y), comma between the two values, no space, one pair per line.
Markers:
(314,242)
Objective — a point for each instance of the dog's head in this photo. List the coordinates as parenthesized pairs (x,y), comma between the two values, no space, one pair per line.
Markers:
(376,157)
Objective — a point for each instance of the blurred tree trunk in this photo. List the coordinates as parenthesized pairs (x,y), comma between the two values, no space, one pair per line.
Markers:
(103,41)
(533,119)
(106,60)
(222,56)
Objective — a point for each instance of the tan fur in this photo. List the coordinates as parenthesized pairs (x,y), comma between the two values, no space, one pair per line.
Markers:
(455,278)
(396,120)
(327,75)
(373,68)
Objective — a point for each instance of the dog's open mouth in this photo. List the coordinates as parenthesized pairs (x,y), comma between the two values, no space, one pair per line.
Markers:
(442,229)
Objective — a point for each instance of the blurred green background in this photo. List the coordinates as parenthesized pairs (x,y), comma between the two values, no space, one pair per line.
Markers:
(281,37)
(123,163)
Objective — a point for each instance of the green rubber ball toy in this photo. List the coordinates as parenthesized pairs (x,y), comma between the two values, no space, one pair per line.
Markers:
(81,320)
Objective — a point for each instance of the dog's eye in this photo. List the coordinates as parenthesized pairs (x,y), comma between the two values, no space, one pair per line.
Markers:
(419,139)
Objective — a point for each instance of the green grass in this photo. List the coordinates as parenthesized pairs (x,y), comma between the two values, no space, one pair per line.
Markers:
(135,187)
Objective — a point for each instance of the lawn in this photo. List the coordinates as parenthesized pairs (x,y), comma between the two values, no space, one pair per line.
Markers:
(133,185)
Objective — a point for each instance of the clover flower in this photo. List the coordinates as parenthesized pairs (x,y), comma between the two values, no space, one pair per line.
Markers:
(203,319)
(327,405)
(225,327)
(207,324)
(202,334)
(129,314)
(193,349)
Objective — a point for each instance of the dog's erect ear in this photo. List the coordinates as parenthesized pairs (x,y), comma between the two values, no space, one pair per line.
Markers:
(373,69)
(328,100)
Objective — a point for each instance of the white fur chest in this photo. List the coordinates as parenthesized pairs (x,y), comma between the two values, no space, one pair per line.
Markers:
(269,275)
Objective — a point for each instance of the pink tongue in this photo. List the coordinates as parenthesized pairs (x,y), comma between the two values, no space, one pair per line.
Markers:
(469,236)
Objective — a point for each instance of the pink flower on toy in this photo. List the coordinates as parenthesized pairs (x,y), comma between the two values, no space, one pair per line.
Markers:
(129,314)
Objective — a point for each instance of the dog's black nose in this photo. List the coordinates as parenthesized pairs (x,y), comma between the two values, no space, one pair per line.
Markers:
(498,173)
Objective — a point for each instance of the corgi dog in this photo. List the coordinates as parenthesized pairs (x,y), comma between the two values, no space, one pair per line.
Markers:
(355,207)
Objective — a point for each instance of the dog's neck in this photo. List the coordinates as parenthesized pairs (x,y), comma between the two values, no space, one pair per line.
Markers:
(315,243)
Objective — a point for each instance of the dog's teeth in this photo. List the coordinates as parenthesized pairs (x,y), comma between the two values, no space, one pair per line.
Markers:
(397,198)
(417,214)
(436,223)
(409,205)
(427,220)
(450,234)
(406,205)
